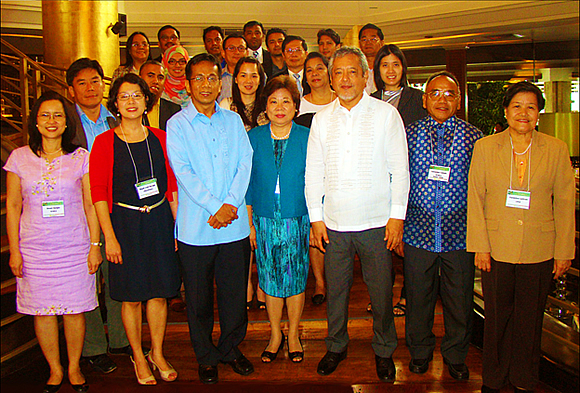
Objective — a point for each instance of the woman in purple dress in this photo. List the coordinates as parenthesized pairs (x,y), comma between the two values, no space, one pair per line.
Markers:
(54,234)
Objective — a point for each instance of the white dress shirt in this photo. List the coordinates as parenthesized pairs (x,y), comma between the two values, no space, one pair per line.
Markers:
(357,169)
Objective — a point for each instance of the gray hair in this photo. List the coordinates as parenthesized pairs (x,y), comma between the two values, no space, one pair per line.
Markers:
(349,50)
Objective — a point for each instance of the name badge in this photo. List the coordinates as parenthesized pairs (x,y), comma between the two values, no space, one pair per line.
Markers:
(147,188)
(439,173)
(277,186)
(518,199)
(53,209)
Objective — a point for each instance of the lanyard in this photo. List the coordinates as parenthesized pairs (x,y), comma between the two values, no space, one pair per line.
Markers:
(131,154)
(521,154)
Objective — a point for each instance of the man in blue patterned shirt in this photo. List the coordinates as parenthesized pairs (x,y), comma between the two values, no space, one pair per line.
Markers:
(436,260)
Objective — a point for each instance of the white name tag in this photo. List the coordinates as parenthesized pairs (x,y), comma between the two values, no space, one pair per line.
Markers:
(518,199)
(53,209)
(277,186)
(439,173)
(147,188)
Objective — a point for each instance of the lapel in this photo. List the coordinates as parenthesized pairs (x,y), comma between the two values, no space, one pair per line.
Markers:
(538,150)
(504,151)
(405,97)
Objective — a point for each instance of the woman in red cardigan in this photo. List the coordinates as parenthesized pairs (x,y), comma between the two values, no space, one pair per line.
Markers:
(135,196)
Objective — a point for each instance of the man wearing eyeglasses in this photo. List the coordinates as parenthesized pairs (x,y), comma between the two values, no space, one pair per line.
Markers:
(294,52)
(211,157)
(167,36)
(371,39)
(235,47)
(436,260)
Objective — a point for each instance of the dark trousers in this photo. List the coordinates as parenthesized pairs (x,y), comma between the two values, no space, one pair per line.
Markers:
(376,266)
(515,296)
(228,263)
(429,275)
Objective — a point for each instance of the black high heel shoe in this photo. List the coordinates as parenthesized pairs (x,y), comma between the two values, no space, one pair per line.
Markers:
(296,356)
(52,388)
(82,388)
(272,355)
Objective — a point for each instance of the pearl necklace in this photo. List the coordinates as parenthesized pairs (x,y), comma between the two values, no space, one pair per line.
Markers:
(280,137)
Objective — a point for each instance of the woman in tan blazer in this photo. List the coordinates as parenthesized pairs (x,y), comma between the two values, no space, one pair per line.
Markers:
(520,224)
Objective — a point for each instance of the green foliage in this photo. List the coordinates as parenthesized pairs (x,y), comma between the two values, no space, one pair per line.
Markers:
(485,105)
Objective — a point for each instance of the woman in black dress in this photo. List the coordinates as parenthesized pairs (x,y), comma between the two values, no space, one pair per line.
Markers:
(134,192)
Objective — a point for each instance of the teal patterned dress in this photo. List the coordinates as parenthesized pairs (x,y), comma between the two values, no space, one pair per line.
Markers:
(282,252)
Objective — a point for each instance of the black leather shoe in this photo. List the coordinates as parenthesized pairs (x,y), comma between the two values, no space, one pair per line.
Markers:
(521,390)
(52,388)
(241,365)
(102,363)
(420,366)
(486,389)
(208,374)
(385,369)
(458,371)
(318,299)
(330,362)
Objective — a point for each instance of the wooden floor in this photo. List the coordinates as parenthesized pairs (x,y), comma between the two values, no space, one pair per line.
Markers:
(355,374)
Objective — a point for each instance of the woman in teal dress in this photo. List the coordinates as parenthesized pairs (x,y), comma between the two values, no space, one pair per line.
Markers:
(278,216)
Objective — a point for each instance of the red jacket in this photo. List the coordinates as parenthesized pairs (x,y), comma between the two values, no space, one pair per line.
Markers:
(101,167)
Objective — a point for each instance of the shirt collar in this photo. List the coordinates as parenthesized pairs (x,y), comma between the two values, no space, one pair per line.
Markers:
(301,72)
(448,124)
(355,109)
(192,111)
(103,114)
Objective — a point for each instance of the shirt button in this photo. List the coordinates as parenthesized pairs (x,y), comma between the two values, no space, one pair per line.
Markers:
(215,155)
(213,139)
(520,222)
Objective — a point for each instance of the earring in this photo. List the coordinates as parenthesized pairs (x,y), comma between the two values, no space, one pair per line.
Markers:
(145,112)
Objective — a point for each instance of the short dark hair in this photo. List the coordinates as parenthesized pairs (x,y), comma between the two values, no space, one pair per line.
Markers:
(234,35)
(34,136)
(165,28)
(524,87)
(253,23)
(237,96)
(82,64)
(134,80)
(129,44)
(274,30)
(213,28)
(155,62)
(389,49)
(443,73)
(329,33)
(281,82)
(314,55)
(371,26)
(198,59)
(291,38)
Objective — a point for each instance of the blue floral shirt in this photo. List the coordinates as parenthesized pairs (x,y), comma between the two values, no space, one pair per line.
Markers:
(436,217)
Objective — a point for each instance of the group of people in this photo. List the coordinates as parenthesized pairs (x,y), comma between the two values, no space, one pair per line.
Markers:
(198,166)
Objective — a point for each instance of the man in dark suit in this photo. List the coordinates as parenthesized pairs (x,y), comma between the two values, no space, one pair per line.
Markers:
(274,62)
(167,36)
(294,52)
(213,37)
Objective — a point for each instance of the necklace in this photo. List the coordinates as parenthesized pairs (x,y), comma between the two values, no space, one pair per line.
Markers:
(274,136)
(522,153)
(52,152)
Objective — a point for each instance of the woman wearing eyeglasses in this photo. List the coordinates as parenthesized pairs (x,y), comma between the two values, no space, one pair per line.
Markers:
(137,53)
(135,196)
(174,60)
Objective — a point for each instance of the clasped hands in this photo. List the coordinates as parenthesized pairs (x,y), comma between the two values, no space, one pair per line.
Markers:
(223,217)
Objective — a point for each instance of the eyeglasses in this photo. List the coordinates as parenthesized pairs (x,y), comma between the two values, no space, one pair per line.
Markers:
(45,116)
(236,48)
(212,79)
(181,62)
(447,94)
(294,50)
(372,39)
(140,45)
(169,38)
(125,96)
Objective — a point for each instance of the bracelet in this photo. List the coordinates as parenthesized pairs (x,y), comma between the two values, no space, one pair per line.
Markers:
(98,244)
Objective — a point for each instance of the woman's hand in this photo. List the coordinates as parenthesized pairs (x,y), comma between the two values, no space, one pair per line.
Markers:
(561,266)
(483,261)
(113,250)
(95,259)
(253,242)
(16,264)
